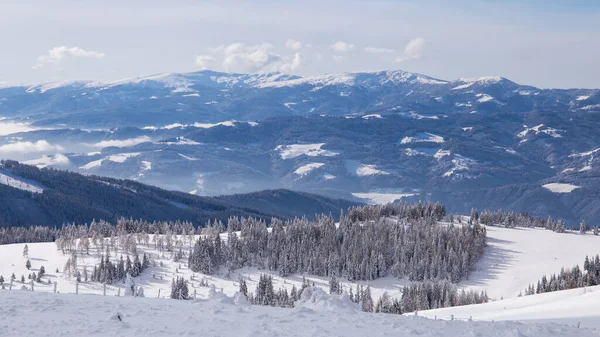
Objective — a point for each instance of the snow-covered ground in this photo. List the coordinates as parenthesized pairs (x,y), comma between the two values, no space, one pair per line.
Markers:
(27,313)
(514,258)
(9,179)
(296,150)
(575,307)
(560,188)
(381,198)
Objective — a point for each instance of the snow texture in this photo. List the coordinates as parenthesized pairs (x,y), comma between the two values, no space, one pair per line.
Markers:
(377,198)
(306,169)
(296,150)
(26,313)
(560,188)
(423,138)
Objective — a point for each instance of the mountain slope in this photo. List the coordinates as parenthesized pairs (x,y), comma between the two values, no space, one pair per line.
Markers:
(289,204)
(71,197)
(482,142)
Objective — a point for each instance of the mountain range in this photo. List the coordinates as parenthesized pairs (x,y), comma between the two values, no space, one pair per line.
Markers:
(482,142)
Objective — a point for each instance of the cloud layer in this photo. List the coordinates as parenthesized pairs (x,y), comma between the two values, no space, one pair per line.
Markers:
(57,54)
(121,142)
(240,57)
(342,47)
(23,148)
(413,50)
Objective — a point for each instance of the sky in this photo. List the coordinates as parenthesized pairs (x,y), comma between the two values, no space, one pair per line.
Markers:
(549,44)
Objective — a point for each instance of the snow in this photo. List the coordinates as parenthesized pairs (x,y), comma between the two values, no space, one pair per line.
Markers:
(582,98)
(467,128)
(328,176)
(12,180)
(378,198)
(441,154)
(289,104)
(423,138)
(178,83)
(42,88)
(311,150)
(186,157)
(460,163)
(117,158)
(319,81)
(468,82)
(180,141)
(591,107)
(371,116)
(26,313)
(191,95)
(560,188)
(363,170)
(484,98)
(540,129)
(306,169)
(146,166)
(513,258)
(121,157)
(517,257)
(92,164)
(570,307)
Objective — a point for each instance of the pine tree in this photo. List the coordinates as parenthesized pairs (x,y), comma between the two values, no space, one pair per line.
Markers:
(367,300)
(243,287)
(26,251)
(22,278)
(1,280)
(28,264)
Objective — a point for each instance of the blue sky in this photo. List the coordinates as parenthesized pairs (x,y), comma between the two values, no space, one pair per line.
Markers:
(542,43)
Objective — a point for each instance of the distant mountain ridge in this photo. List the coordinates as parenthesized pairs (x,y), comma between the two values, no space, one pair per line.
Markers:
(374,137)
(65,197)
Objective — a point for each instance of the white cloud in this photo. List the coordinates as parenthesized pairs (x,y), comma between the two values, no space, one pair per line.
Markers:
(21,148)
(293,44)
(376,50)
(57,54)
(341,46)
(57,160)
(122,142)
(7,128)
(339,58)
(413,50)
(204,61)
(239,57)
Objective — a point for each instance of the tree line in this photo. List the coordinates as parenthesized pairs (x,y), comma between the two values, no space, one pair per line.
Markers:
(366,244)
(569,279)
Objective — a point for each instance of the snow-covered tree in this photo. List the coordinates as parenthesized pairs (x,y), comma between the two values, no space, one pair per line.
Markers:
(26,251)
(129,285)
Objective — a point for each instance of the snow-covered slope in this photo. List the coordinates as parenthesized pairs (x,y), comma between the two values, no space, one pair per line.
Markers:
(38,314)
(571,307)
(517,257)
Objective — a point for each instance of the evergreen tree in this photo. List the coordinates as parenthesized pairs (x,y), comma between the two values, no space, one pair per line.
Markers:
(367,300)
(28,264)
(26,251)
(243,287)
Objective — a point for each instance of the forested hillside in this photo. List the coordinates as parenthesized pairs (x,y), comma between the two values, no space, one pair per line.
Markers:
(63,197)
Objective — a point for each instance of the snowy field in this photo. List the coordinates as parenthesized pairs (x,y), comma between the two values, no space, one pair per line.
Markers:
(574,307)
(27,313)
(514,258)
